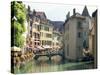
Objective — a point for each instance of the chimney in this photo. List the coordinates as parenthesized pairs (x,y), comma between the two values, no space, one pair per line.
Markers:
(74,11)
(68,15)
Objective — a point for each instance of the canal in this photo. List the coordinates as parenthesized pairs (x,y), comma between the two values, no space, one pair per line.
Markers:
(43,64)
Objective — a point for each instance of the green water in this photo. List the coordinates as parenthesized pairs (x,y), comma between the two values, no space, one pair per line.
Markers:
(43,64)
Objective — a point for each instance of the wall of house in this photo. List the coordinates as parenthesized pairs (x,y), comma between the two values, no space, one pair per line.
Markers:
(74,37)
(79,37)
(70,39)
(56,40)
(46,34)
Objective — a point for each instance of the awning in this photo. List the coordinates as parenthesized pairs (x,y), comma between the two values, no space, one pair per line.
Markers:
(15,48)
(46,46)
(40,47)
(36,49)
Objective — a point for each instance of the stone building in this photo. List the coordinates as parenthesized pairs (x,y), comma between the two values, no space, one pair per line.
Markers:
(39,29)
(46,34)
(57,40)
(93,37)
(76,29)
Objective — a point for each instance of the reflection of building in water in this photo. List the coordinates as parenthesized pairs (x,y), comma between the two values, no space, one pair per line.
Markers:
(76,34)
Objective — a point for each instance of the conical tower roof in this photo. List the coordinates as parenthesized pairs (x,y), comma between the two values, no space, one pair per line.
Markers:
(85,12)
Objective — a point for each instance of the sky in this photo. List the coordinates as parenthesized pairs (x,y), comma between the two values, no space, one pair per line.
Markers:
(58,11)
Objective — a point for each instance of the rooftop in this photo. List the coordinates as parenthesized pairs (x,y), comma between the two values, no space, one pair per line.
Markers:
(85,12)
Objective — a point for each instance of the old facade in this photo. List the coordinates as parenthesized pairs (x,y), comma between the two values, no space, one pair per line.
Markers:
(39,29)
(93,37)
(57,40)
(46,34)
(76,28)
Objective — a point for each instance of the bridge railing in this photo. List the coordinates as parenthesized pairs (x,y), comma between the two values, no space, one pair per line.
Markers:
(50,52)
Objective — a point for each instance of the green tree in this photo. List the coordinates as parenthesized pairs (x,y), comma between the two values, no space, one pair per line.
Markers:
(18,17)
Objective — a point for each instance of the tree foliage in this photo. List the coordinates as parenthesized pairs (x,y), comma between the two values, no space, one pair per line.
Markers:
(18,17)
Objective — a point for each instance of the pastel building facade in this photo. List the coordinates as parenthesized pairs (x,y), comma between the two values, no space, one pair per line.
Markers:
(39,29)
(57,40)
(46,34)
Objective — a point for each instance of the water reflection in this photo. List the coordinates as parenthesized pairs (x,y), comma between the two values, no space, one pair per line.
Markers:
(43,64)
